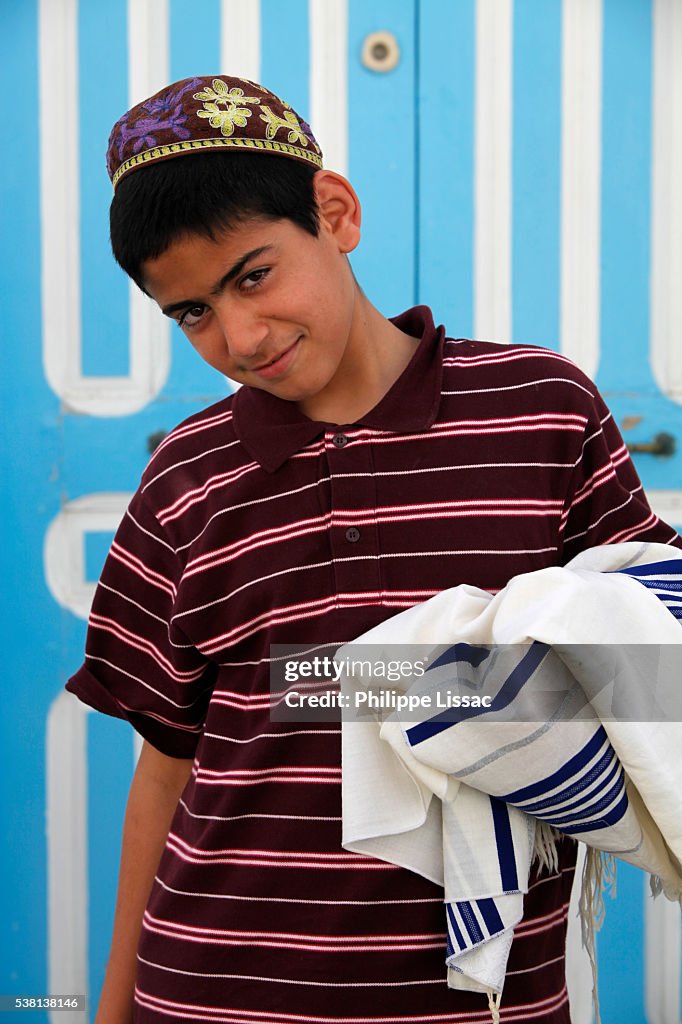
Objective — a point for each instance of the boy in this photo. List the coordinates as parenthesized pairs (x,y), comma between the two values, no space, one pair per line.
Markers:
(364,465)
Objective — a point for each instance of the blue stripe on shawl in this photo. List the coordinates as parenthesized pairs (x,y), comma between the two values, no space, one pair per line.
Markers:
(546,806)
(663,578)
(490,915)
(459,938)
(461,653)
(611,818)
(505,845)
(470,922)
(669,586)
(572,767)
(506,694)
(592,806)
(449,947)
(563,821)
(669,567)
(604,766)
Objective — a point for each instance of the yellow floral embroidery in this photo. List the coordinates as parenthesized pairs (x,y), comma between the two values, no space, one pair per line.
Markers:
(233,114)
(290,121)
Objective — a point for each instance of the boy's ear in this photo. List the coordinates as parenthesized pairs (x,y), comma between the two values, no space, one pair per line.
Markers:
(339,208)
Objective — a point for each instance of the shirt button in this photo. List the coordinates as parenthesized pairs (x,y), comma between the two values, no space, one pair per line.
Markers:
(340,440)
(352,534)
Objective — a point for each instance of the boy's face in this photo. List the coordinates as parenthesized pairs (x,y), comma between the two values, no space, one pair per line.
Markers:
(265,290)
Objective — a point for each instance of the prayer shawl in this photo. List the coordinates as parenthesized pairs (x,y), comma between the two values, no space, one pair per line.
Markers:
(611,781)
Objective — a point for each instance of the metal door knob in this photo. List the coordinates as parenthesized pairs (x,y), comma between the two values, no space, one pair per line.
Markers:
(380,51)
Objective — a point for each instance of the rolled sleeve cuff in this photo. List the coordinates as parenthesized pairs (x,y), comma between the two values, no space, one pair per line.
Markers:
(170,740)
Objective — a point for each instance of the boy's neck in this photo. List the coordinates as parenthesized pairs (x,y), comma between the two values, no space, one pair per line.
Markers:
(376,355)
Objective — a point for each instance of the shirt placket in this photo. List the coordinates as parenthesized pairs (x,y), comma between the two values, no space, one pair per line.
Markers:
(354,531)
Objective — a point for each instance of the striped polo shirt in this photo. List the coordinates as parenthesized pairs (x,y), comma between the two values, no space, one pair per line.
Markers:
(254,525)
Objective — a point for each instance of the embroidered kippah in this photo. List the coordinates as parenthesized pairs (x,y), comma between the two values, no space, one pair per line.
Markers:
(199,114)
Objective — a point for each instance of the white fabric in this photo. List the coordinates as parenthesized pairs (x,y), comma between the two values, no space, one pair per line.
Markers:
(469,842)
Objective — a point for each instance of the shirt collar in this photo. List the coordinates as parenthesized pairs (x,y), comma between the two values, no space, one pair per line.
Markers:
(272,429)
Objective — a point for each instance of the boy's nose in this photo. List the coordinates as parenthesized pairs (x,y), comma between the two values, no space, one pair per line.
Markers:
(245,333)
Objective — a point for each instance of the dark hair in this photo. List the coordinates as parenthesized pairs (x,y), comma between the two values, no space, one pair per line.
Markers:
(205,194)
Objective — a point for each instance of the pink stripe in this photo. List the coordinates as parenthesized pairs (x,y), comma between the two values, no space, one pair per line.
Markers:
(529,419)
(598,478)
(137,566)
(273,615)
(160,718)
(263,1017)
(140,644)
(609,512)
(302,528)
(191,428)
(263,863)
(478,427)
(544,923)
(505,357)
(190,498)
(633,531)
(230,1015)
(429,507)
(279,854)
(245,934)
(406,947)
(307,780)
(364,519)
(620,456)
(250,772)
(252,704)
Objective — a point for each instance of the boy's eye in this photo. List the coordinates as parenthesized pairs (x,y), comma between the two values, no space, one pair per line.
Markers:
(191,316)
(253,279)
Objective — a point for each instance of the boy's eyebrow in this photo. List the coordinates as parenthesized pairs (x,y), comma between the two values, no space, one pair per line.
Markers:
(233,272)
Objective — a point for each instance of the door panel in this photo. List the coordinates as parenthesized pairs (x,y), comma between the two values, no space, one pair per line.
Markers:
(383,138)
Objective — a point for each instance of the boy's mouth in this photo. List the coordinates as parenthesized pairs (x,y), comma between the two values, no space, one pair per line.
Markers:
(279,364)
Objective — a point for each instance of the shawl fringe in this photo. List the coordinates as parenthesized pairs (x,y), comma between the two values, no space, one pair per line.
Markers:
(544,847)
(599,877)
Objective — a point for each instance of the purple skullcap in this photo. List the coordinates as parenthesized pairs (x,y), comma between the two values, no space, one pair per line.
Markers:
(199,114)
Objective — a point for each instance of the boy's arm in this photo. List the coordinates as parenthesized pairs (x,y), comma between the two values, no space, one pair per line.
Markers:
(154,793)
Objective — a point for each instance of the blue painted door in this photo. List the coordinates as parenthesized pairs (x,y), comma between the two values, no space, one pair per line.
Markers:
(515,173)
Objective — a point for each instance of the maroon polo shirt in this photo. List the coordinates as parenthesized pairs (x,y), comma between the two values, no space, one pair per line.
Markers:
(254,525)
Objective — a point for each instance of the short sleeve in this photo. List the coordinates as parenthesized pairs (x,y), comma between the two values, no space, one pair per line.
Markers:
(138,665)
(606,503)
